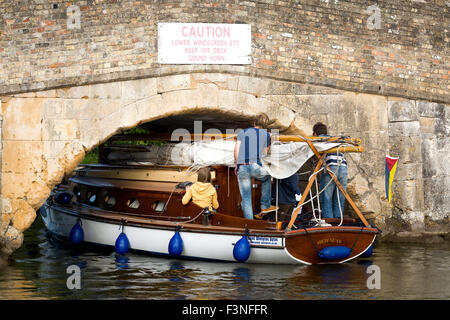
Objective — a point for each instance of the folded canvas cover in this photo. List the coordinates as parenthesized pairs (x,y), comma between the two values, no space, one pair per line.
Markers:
(283,160)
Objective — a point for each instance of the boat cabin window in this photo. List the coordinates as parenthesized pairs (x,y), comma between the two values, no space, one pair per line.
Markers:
(110,201)
(77,192)
(159,206)
(133,203)
(91,197)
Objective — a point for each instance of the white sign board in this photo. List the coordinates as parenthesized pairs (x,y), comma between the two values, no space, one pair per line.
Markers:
(204,43)
(265,241)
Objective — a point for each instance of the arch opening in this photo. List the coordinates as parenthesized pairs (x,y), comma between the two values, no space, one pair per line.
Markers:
(149,136)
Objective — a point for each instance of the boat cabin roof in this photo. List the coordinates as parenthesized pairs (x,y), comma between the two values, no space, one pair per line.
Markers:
(128,184)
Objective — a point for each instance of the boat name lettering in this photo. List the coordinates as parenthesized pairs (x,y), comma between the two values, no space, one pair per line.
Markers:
(329,240)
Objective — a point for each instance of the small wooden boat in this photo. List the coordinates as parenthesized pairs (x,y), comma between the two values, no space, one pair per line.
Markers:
(138,207)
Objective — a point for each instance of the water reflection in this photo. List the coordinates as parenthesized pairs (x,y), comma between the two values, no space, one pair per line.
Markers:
(342,281)
(121,261)
(39,271)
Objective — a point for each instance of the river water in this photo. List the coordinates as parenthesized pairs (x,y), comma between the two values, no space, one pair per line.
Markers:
(39,270)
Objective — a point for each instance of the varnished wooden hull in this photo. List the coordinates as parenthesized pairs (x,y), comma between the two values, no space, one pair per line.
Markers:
(304,245)
(214,242)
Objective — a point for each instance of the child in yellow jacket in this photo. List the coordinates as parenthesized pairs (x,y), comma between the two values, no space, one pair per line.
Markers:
(202,192)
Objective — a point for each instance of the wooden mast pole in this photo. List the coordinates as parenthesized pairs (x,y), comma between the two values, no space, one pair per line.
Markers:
(224,136)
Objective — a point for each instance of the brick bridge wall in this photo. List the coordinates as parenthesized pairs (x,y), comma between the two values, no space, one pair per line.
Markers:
(387,47)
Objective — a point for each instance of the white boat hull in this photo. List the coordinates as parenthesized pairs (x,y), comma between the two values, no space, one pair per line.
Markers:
(196,245)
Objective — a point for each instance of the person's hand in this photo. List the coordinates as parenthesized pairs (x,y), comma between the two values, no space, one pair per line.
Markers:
(235,170)
(187,187)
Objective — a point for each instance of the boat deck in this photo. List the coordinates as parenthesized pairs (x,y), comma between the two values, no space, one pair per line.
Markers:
(220,223)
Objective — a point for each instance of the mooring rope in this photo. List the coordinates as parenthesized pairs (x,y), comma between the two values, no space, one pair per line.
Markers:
(310,238)
(192,218)
(357,238)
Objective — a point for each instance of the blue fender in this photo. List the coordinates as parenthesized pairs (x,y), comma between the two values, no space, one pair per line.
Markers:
(176,245)
(335,252)
(122,244)
(241,250)
(76,235)
(368,252)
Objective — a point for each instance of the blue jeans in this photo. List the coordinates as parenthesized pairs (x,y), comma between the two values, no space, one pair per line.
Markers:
(329,197)
(245,174)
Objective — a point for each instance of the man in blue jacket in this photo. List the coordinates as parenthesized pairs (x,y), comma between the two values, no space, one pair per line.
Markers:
(251,144)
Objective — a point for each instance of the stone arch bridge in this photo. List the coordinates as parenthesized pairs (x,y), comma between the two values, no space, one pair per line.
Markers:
(66,89)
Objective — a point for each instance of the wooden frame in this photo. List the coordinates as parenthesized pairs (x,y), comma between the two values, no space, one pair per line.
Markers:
(321,158)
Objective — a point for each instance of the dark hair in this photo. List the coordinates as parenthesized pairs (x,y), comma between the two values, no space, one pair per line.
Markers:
(319,128)
(204,175)
(262,120)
